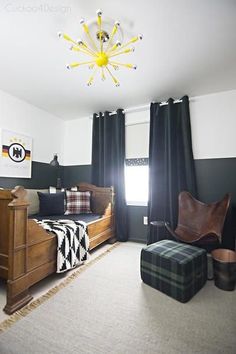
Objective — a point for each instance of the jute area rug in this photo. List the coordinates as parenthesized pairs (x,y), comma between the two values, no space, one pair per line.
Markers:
(107,309)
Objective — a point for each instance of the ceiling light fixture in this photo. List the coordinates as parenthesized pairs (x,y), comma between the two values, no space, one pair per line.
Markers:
(102,47)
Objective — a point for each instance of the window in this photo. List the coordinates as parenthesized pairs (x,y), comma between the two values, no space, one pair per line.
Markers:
(136,181)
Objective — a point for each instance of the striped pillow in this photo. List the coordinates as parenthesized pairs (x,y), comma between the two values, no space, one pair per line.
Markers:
(77,202)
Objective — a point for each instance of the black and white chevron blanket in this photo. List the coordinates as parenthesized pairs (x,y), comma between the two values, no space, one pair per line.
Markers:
(72,242)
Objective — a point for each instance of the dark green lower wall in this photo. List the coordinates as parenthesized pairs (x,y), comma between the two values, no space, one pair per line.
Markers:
(215,177)
(43,175)
(137,230)
(76,174)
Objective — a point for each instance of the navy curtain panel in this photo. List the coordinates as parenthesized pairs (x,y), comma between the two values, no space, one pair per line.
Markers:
(108,160)
(171,164)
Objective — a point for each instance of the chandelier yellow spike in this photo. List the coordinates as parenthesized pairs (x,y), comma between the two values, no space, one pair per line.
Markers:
(103,77)
(122,46)
(128,50)
(86,30)
(75,64)
(66,37)
(113,32)
(109,45)
(86,47)
(76,48)
(91,79)
(129,66)
(116,82)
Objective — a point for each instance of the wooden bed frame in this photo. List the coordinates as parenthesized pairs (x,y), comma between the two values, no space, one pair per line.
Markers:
(28,252)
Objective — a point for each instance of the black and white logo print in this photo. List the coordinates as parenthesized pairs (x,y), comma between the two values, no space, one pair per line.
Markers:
(17,152)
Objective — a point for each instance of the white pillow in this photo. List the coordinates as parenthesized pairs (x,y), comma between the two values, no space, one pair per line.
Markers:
(53,190)
(33,199)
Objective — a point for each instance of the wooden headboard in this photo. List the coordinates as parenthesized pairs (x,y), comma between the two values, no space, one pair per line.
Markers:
(102,199)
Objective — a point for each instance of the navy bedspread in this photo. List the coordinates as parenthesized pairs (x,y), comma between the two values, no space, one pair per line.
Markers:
(75,217)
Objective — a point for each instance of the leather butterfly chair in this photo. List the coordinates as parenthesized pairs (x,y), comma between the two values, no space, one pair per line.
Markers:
(200,224)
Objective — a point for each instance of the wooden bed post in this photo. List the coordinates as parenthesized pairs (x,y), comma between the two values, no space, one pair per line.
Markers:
(17,283)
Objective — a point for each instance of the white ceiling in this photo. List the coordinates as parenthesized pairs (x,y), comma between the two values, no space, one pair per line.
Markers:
(189,47)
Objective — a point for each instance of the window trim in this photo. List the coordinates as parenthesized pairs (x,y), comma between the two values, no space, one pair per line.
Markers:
(136,203)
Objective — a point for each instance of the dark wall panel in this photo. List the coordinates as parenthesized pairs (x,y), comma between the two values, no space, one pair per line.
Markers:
(215,177)
(137,230)
(43,175)
(75,174)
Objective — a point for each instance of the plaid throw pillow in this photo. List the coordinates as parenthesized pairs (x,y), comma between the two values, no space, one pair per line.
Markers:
(77,202)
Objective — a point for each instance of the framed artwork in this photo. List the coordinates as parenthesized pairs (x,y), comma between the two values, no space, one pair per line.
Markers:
(16,155)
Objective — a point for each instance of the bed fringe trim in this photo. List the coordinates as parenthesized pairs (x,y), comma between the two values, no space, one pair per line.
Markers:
(18,315)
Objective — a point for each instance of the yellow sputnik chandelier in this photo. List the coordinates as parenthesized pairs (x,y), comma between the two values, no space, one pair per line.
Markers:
(102,50)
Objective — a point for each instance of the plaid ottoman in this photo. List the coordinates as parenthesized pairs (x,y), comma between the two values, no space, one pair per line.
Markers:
(177,269)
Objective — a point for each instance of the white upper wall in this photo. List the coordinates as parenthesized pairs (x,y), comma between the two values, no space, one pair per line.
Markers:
(45,129)
(213,119)
(78,141)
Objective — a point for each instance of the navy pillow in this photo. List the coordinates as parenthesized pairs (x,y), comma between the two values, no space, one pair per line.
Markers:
(51,204)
